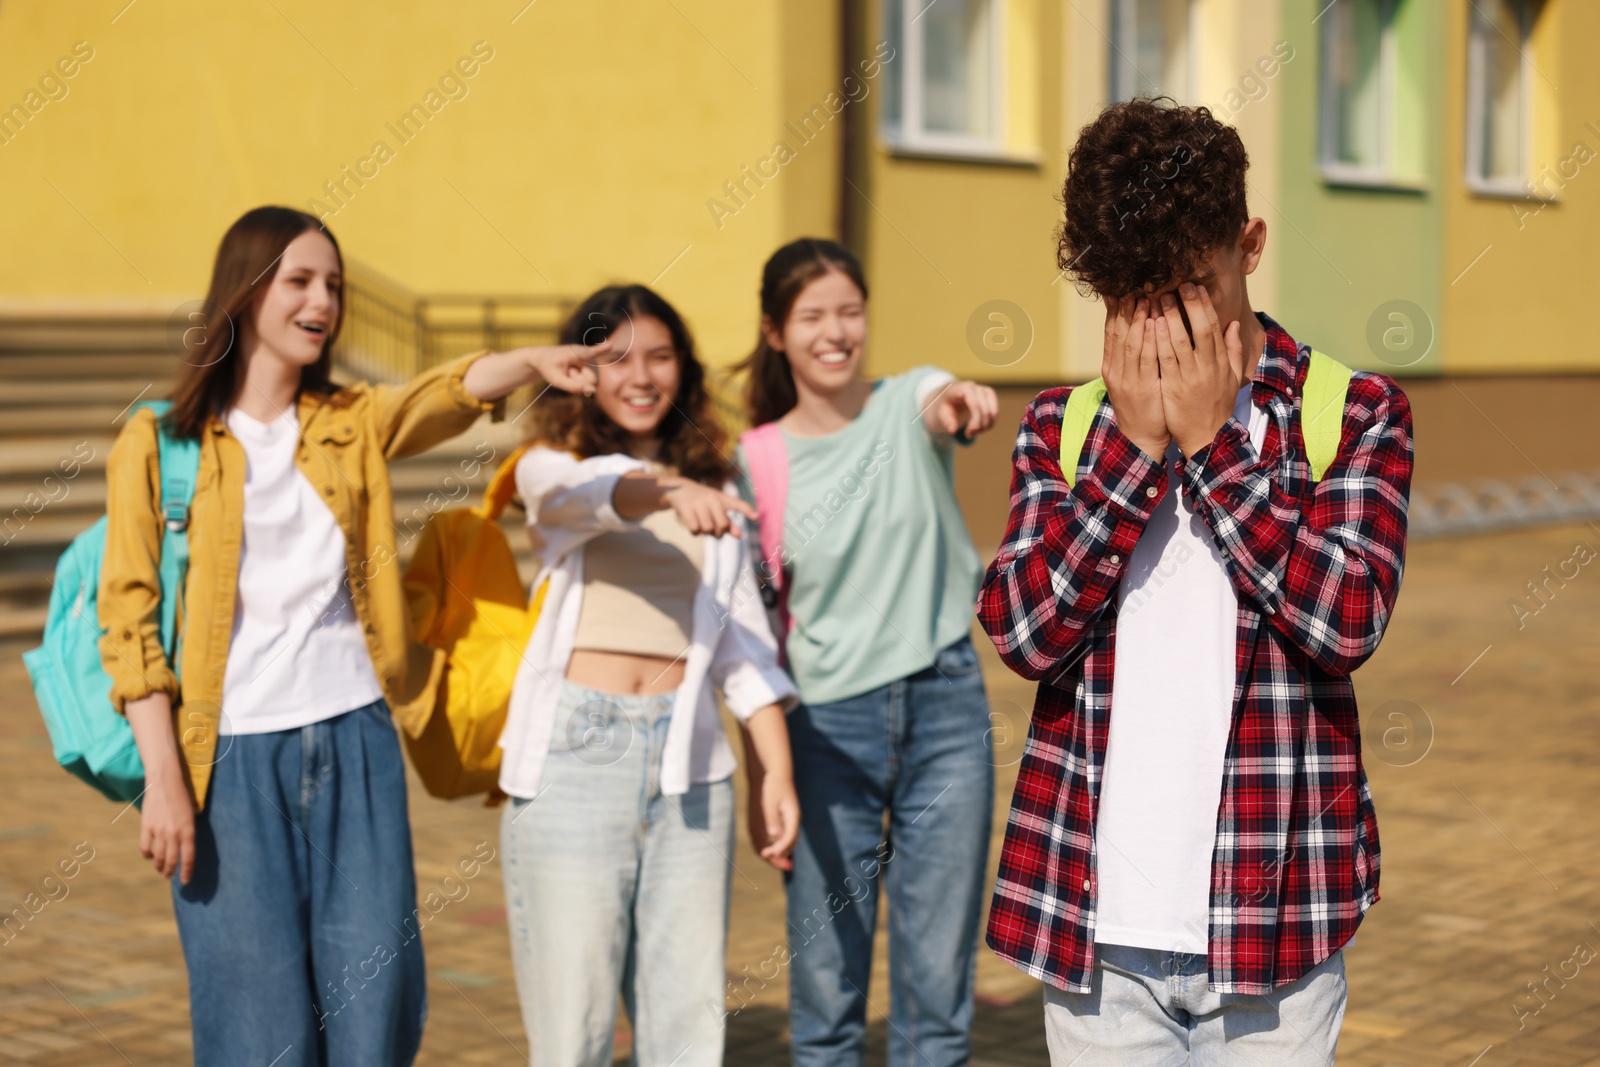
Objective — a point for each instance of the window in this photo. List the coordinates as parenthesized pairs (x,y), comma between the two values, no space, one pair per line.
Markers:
(943,86)
(1358,90)
(1499,95)
(1152,42)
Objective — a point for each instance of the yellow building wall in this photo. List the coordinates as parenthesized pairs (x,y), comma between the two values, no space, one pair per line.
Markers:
(945,240)
(587,146)
(1239,40)
(1229,38)
(1519,275)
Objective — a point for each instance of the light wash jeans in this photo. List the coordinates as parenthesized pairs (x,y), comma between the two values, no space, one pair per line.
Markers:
(916,749)
(611,886)
(299,925)
(1153,1009)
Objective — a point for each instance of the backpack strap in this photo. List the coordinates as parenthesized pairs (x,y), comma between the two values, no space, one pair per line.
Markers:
(501,487)
(1083,403)
(768,471)
(178,459)
(1321,416)
(1322,411)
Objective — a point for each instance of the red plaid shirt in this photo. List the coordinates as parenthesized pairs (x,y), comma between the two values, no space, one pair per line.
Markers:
(1316,567)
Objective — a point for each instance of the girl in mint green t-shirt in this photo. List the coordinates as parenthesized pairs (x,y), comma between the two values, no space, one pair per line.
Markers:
(878,580)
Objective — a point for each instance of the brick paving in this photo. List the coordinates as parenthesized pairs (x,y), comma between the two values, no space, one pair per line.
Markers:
(1482,742)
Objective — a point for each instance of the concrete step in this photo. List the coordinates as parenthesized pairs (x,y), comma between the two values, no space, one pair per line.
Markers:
(157,364)
(55,393)
(83,330)
(25,623)
(86,418)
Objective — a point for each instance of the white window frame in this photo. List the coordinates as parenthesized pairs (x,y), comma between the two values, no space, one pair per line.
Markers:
(1124,43)
(908,134)
(1337,170)
(1477,181)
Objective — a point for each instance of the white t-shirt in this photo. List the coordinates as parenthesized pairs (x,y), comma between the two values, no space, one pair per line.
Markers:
(297,655)
(1171,710)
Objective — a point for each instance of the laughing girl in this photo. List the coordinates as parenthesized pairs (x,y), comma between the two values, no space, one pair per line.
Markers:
(618,840)
(275,789)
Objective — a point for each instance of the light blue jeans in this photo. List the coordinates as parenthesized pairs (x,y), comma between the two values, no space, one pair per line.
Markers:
(299,925)
(611,886)
(915,751)
(1153,1009)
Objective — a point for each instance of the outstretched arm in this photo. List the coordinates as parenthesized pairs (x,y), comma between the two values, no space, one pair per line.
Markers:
(414,416)
(564,367)
(964,408)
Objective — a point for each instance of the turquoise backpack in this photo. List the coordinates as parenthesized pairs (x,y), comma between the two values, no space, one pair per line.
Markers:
(74,692)
(1321,415)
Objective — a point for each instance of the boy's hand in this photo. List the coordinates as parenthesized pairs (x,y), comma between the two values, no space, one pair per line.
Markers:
(1133,384)
(1199,382)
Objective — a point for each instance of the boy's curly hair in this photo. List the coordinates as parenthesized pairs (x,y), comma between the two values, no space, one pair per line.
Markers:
(1152,188)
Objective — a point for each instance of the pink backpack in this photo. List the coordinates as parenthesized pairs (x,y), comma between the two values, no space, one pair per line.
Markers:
(768,471)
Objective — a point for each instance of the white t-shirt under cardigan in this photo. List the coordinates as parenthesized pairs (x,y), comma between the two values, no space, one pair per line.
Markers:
(1171,711)
(297,654)
(731,647)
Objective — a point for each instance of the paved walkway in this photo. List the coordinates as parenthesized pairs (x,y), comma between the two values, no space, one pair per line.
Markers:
(1482,743)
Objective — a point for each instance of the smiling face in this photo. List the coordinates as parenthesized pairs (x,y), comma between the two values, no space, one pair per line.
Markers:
(824,334)
(639,382)
(298,309)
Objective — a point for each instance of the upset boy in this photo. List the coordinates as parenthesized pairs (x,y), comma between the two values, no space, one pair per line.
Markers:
(1191,840)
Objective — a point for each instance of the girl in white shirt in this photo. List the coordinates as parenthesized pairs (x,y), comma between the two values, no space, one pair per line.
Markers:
(275,796)
(619,837)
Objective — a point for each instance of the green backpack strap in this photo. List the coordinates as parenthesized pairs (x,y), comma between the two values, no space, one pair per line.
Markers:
(179,462)
(1322,411)
(1321,416)
(1082,405)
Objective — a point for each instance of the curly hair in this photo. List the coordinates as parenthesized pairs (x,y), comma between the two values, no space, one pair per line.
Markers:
(1151,189)
(693,440)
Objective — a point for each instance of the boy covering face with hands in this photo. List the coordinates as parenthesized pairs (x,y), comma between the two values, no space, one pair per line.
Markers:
(1198,556)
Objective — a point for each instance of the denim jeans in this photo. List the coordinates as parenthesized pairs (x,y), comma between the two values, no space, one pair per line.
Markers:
(299,924)
(612,886)
(914,749)
(1153,1009)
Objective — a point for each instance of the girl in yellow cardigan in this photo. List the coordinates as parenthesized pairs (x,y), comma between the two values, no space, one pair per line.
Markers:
(275,789)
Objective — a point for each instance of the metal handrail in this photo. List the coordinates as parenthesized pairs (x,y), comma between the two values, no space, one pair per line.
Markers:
(391,333)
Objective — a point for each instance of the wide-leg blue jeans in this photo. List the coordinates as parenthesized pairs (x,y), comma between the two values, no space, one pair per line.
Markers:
(299,925)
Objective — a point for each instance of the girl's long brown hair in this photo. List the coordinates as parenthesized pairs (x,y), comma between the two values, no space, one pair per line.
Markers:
(247,259)
(769,390)
(693,439)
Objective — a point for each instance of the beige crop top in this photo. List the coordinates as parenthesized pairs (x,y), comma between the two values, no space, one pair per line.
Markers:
(639,587)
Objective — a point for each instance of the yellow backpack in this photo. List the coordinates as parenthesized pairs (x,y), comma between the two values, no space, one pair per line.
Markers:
(468,607)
